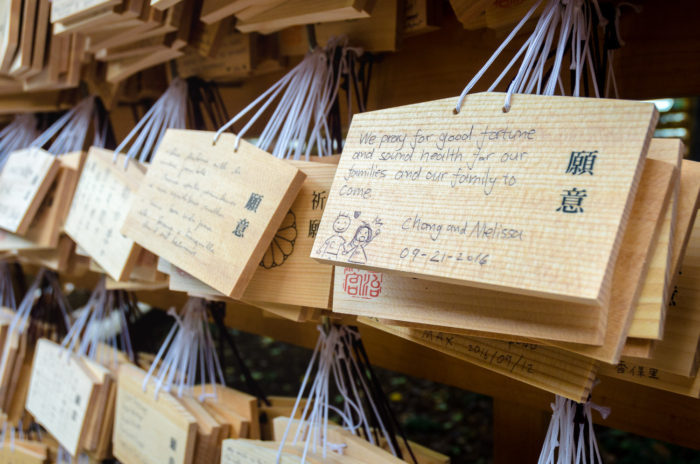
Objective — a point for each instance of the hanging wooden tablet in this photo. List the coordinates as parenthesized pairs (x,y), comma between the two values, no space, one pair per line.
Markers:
(380,32)
(487,14)
(181,281)
(544,367)
(23,57)
(643,227)
(9,32)
(11,242)
(47,225)
(40,42)
(69,10)
(208,442)
(119,70)
(149,430)
(421,16)
(102,199)
(688,204)
(241,403)
(216,10)
(295,12)
(11,352)
(163,4)
(688,200)
(18,451)
(653,299)
(490,199)
(24,180)
(480,312)
(286,274)
(179,210)
(19,389)
(677,353)
(639,372)
(60,394)
(233,59)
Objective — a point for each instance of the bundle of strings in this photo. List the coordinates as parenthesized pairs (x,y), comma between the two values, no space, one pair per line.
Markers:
(299,124)
(570,437)
(104,322)
(168,112)
(340,357)
(565,26)
(17,135)
(188,350)
(70,132)
(44,310)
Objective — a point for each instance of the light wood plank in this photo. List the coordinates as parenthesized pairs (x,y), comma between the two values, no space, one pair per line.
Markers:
(178,211)
(481,211)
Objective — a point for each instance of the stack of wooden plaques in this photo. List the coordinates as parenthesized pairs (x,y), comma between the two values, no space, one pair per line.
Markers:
(383,227)
(130,35)
(273,15)
(194,429)
(67,386)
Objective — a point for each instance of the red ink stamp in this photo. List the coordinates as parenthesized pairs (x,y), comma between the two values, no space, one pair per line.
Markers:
(359,283)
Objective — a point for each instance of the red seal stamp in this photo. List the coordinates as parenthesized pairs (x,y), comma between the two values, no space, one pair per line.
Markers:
(359,283)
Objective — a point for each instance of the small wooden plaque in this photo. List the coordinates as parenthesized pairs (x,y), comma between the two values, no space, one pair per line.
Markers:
(24,180)
(632,264)
(490,199)
(286,274)
(68,10)
(209,210)
(61,391)
(548,368)
(650,312)
(100,205)
(149,430)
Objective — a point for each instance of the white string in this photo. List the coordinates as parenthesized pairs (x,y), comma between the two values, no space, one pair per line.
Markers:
(332,359)
(189,345)
(498,51)
(304,97)
(562,444)
(70,130)
(574,24)
(168,112)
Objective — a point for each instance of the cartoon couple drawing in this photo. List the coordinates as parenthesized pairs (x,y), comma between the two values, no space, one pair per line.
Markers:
(354,252)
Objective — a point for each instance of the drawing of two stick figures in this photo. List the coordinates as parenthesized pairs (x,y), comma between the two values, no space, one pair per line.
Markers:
(354,251)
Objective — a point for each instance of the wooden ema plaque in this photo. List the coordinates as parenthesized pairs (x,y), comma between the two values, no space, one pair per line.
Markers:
(639,371)
(489,199)
(688,201)
(488,313)
(677,353)
(633,261)
(18,451)
(544,367)
(24,180)
(286,274)
(61,392)
(102,199)
(150,430)
(653,299)
(210,210)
